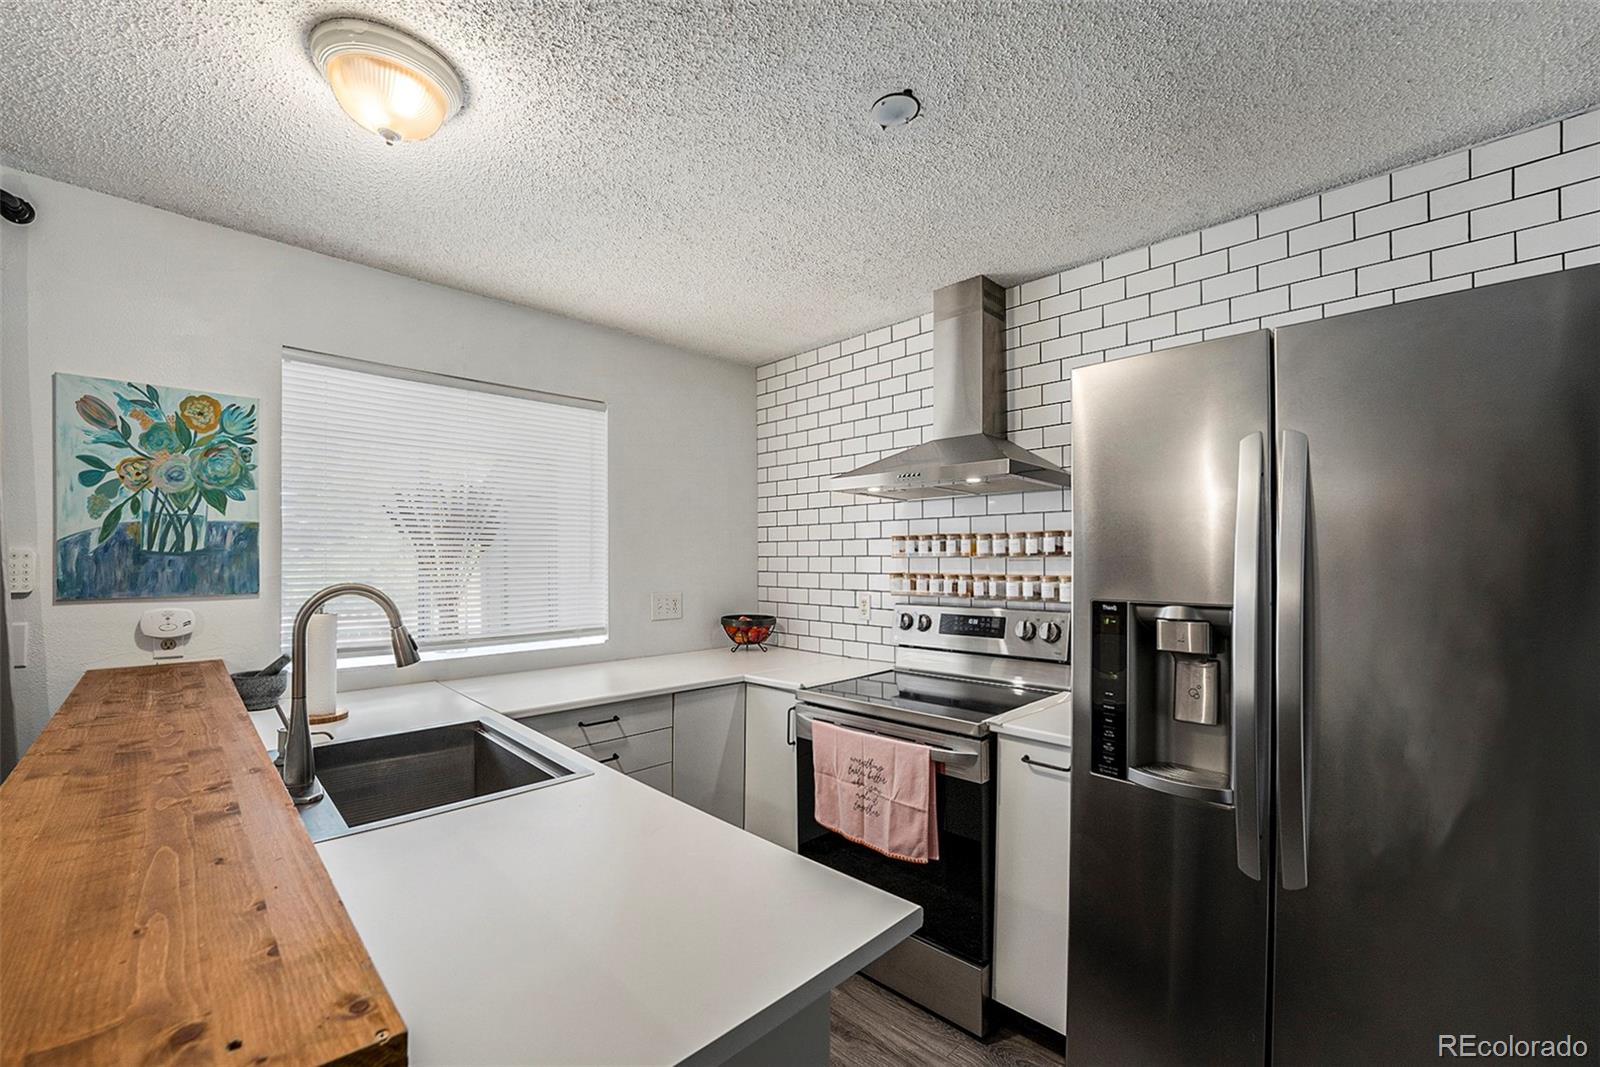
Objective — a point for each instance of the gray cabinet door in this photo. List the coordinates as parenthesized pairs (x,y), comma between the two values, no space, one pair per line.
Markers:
(708,750)
(769,766)
(1449,734)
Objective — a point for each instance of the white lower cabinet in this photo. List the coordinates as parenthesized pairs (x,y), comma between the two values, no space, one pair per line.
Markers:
(769,766)
(1030,880)
(708,750)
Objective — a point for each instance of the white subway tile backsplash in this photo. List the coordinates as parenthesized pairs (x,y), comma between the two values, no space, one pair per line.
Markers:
(1294,269)
(1446,231)
(1180,296)
(1229,233)
(1392,216)
(1464,196)
(1563,236)
(1078,277)
(1225,285)
(1104,293)
(1518,148)
(1206,266)
(1516,214)
(1289,216)
(1475,255)
(1394,274)
(1252,253)
(1430,175)
(1580,199)
(1323,289)
(1580,130)
(1174,249)
(1355,197)
(1320,235)
(1372,249)
(1126,263)
(839,405)
(1552,173)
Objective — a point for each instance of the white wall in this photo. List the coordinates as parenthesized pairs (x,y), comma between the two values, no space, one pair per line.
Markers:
(102,286)
(1521,205)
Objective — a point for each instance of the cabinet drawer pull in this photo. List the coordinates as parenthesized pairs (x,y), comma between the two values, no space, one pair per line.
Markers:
(789,725)
(599,722)
(615,757)
(1047,766)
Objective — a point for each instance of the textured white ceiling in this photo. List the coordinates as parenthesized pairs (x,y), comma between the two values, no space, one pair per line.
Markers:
(705,173)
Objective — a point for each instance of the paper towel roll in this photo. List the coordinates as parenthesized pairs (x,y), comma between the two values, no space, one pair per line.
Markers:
(322,663)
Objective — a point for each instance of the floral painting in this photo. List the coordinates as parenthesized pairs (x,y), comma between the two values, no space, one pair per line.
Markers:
(155,491)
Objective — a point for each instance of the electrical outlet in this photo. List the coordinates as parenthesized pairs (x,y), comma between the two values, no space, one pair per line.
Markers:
(666,606)
(864,607)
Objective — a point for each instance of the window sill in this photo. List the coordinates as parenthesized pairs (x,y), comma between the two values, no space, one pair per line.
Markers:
(445,655)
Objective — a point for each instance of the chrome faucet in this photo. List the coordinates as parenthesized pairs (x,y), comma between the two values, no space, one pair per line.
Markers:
(299,770)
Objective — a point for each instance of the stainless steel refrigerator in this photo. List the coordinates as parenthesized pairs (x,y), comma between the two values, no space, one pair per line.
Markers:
(1336,687)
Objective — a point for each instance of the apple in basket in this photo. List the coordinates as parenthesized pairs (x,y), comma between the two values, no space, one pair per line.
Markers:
(748,629)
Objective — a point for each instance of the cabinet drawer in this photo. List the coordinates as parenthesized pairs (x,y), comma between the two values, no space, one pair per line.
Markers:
(658,777)
(604,722)
(629,754)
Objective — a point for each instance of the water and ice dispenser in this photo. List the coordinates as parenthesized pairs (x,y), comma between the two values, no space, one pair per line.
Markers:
(1161,684)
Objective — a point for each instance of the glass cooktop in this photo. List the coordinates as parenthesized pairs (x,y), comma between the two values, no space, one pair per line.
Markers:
(927,694)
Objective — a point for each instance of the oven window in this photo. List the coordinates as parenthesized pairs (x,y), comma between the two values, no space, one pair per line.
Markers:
(954,891)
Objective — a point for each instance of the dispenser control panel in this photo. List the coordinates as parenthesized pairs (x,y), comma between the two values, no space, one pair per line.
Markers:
(1109,674)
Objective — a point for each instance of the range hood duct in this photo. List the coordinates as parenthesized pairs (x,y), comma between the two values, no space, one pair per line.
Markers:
(969,454)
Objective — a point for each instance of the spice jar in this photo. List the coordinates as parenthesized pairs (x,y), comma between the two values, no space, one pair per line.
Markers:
(968,544)
(1015,544)
(1051,543)
(983,544)
(898,543)
(936,583)
(1030,542)
(898,582)
(1013,587)
(1066,588)
(1001,545)
(1049,587)
(1030,587)
(958,584)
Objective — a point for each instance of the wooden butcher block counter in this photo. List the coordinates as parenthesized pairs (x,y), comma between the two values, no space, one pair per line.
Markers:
(160,901)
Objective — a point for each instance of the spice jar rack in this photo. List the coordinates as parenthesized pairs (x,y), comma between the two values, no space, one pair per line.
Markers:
(1032,544)
(997,547)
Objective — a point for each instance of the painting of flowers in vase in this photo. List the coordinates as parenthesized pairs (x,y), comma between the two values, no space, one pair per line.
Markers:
(155,491)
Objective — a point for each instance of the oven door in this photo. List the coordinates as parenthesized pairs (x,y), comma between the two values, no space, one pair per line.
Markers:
(955,891)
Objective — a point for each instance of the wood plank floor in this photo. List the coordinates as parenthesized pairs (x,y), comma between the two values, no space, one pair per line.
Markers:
(873,1027)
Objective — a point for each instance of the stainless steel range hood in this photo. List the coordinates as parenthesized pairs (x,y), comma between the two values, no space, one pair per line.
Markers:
(969,454)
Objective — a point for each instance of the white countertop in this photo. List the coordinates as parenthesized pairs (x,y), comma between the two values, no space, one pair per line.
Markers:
(595,920)
(1048,720)
(588,684)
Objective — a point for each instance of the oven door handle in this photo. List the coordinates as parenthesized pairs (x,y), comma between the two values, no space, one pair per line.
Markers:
(967,763)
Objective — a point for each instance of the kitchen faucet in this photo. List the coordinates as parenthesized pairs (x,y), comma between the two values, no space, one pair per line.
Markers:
(299,770)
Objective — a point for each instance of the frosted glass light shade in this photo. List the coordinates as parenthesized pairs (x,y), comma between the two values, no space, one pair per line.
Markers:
(395,86)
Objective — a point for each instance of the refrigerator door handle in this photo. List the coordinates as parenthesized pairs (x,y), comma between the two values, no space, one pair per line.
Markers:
(1250,797)
(1294,502)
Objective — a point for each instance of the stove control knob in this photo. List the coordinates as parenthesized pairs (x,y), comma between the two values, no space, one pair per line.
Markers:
(923,622)
(905,620)
(1026,629)
(1052,632)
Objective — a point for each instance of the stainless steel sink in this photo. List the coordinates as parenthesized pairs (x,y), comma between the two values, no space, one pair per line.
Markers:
(378,781)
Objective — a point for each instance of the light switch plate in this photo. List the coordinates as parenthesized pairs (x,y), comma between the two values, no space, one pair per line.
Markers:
(666,606)
(21,564)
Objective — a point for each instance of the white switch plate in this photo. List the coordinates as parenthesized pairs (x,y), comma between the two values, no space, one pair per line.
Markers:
(20,566)
(864,607)
(19,645)
(666,606)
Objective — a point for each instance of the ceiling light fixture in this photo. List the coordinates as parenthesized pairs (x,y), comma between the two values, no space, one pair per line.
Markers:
(896,109)
(391,84)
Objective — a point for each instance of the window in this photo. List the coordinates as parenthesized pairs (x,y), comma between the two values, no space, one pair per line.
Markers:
(480,509)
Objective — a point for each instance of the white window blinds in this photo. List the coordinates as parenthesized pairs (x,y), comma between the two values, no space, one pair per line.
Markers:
(480,509)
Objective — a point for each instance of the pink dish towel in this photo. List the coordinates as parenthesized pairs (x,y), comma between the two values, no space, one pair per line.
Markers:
(877,791)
